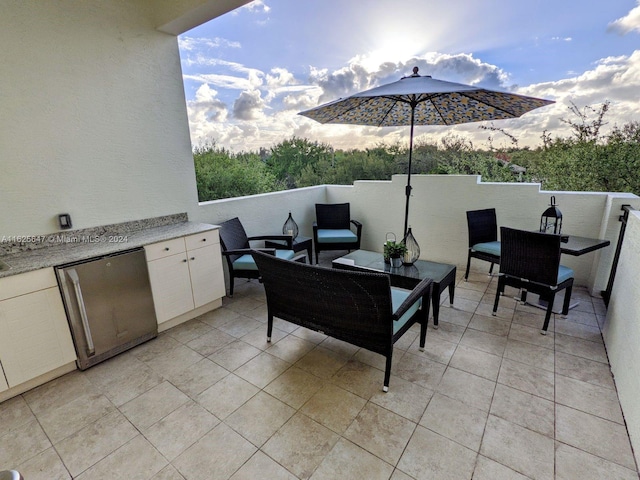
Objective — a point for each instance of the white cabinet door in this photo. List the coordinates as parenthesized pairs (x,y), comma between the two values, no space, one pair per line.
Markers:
(184,281)
(34,335)
(207,281)
(171,286)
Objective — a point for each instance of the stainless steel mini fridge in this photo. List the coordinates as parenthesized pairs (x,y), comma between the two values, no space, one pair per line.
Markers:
(109,304)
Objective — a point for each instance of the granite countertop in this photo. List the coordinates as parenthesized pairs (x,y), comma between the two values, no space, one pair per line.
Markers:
(71,246)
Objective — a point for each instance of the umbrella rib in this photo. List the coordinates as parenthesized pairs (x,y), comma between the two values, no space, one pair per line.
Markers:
(391,107)
(435,107)
(403,99)
(353,107)
(489,104)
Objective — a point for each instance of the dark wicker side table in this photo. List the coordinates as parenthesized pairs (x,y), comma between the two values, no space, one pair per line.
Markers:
(299,243)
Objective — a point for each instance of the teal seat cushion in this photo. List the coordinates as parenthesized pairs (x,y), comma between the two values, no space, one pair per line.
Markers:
(399,295)
(245,262)
(343,235)
(492,248)
(564,273)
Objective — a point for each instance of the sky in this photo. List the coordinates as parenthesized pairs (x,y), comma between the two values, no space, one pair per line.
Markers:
(248,74)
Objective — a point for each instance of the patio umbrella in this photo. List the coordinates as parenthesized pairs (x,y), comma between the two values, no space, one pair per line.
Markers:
(422,100)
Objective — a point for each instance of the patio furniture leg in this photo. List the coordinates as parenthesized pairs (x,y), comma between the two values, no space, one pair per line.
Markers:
(269,327)
(499,291)
(567,300)
(452,288)
(547,315)
(387,372)
(435,299)
(423,336)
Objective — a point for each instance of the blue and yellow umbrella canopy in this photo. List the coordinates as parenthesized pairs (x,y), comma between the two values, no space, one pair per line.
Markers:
(435,102)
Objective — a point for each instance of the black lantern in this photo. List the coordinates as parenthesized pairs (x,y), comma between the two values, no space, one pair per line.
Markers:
(290,227)
(551,220)
(413,249)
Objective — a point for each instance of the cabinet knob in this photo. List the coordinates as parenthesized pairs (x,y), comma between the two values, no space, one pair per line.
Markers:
(192,258)
(185,260)
(166,249)
(204,239)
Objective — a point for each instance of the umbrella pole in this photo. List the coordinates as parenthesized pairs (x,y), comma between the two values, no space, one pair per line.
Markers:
(408,187)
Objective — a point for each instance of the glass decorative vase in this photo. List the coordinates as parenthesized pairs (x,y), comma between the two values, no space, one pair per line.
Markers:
(413,249)
(290,227)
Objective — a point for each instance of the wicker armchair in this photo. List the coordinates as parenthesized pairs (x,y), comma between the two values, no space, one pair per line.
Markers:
(332,228)
(236,249)
(360,308)
(483,238)
(531,261)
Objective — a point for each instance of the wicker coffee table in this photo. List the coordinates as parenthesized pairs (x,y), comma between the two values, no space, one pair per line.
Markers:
(406,276)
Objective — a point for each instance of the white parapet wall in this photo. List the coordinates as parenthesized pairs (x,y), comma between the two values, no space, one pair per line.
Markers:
(437,215)
(265,213)
(622,330)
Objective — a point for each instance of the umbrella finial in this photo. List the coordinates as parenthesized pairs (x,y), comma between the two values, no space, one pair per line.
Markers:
(415,72)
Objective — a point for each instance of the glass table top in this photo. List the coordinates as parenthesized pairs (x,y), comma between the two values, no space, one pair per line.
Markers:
(374,261)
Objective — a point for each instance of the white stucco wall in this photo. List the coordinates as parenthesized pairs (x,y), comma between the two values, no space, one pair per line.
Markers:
(93,118)
(437,215)
(622,330)
(265,214)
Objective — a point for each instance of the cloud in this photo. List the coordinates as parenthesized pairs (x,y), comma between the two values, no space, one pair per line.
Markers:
(280,77)
(257,6)
(342,82)
(302,98)
(248,106)
(221,81)
(628,23)
(189,44)
(463,68)
(264,113)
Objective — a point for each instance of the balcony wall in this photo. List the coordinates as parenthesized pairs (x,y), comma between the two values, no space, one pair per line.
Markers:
(437,214)
(622,330)
(266,213)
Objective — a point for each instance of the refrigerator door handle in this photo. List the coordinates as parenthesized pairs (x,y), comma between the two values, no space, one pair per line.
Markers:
(73,275)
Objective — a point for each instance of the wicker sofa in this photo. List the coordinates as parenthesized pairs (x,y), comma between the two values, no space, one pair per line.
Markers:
(360,308)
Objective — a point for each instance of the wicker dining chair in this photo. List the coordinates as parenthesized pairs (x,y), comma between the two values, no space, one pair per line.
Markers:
(483,238)
(236,249)
(530,261)
(332,228)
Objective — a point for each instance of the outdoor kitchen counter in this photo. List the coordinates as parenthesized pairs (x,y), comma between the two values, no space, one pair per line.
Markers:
(71,246)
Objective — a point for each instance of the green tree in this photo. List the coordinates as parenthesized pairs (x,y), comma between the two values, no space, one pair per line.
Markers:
(424,158)
(458,157)
(588,160)
(220,174)
(290,157)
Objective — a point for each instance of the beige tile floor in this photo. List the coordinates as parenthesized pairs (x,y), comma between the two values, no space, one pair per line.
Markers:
(489,399)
